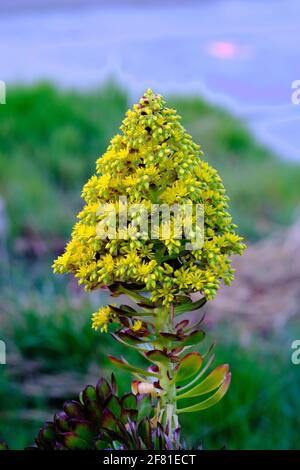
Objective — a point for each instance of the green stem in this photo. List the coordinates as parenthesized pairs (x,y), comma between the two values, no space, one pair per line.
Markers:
(167,407)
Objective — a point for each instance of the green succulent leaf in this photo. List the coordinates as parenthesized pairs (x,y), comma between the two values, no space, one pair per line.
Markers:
(61,420)
(188,367)
(131,343)
(47,434)
(210,383)
(211,401)
(89,393)
(100,444)
(114,406)
(91,402)
(121,364)
(170,336)
(73,442)
(130,338)
(193,338)
(144,431)
(157,356)
(109,421)
(189,306)
(144,406)
(73,409)
(103,389)
(84,430)
(131,290)
(126,311)
(129,401)
(118,310)
(132,414)
(197,377)
(146,305)
(182,324)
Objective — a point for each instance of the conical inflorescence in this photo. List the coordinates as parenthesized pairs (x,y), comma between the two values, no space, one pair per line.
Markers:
(152,162)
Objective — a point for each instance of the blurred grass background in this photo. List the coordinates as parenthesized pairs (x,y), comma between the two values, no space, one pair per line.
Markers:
(49,141)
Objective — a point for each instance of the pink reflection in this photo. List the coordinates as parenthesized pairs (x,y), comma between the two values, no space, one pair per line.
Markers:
(228,50)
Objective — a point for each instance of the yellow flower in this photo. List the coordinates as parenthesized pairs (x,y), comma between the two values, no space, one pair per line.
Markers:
(103,182)
(102,318)
(144,269)
(107,263)
(131,180)
(123,153)
(174,193)
(137,325)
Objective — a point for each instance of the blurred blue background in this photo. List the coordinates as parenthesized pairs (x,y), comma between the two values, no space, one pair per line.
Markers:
(237,53)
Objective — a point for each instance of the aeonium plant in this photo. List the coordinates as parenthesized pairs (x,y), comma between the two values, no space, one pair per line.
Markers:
(102,419)
(153,174)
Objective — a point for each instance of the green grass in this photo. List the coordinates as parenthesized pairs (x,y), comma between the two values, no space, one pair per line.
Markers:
(50,139)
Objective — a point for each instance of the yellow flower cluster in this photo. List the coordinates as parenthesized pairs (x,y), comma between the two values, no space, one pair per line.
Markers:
(153,161)
(102,318)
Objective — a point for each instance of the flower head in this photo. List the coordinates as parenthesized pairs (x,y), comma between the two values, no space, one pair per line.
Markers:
(153,161)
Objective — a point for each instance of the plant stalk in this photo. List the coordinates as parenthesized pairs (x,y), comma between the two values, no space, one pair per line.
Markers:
(167,407)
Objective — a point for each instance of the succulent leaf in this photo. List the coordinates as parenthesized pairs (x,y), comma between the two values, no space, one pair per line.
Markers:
(189,306)
(157,356)
(193,338)
(211,401)
(73,442)
(114,406)
(188,367)
(103,390)
(121,364)
(73,409)
(210,383)
(129,401)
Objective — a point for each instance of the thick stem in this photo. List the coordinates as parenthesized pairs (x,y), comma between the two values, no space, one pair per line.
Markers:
(167,408)
(168,400)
